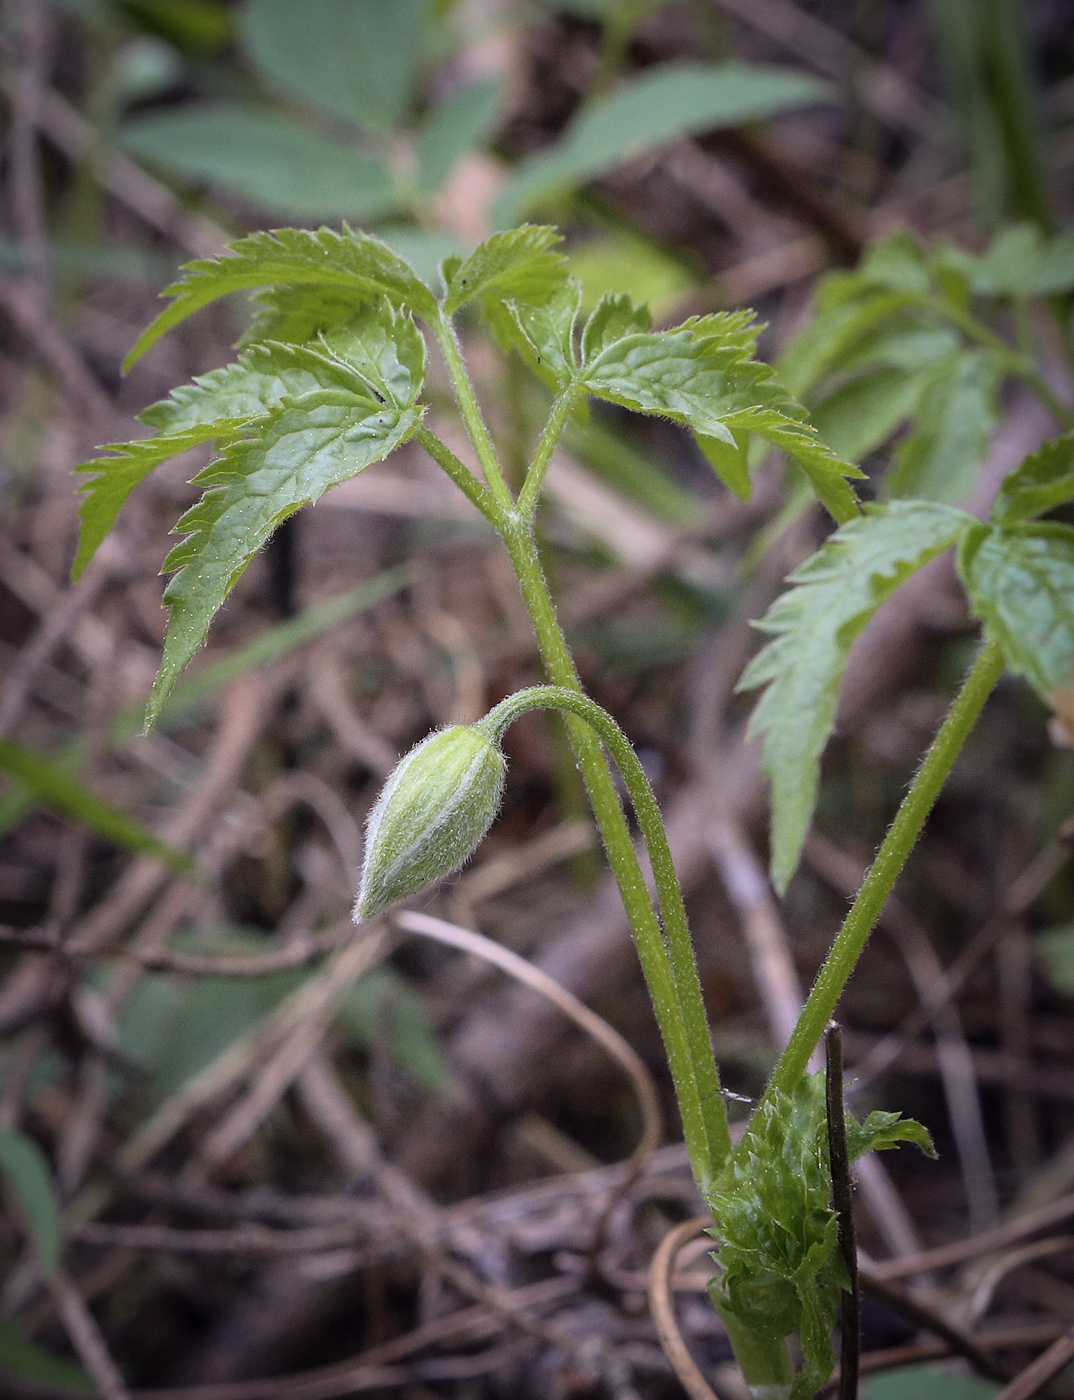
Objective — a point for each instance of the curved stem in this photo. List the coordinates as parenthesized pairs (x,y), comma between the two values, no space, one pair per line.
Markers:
(684,991)
(471,411)
(886,868)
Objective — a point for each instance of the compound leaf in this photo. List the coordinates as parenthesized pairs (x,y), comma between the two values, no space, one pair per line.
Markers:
(702,374)
(348,262)
(1043,481)
(301,449)
(813,624)
(519,265)
(1020,582)
(27,1174)
(956,417)
(385,349)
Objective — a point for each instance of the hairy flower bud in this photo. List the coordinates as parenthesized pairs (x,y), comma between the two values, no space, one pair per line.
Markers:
(435,808)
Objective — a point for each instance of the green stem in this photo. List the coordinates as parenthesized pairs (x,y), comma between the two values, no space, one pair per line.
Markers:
(471,411)
(561,411)
(460,474)
(671,971)
(886,868)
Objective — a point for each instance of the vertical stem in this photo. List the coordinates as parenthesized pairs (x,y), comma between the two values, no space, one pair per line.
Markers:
(681,1011)
(886,868)
(471,411)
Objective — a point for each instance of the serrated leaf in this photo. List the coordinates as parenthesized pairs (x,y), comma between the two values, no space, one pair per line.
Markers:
(113,478)
(54,784)
(457,126)
(284,167)
(29,1178)
(543,335)
(213,408)
(702,375)
(356,60)
(613,317)
(385,349)
(835,593)
(664,104)
(1020,582)
(881,1131)
(1043,481)
(348,262)
(519,265)
(306,446)
(956,417)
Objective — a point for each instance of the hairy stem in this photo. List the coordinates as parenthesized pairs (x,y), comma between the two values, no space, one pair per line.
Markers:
(460,474)
(886,868)
(562,409)
(674,987)
(450,348)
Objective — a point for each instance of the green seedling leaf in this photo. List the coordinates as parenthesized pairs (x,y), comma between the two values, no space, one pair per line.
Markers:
(460,124)
(1020,262)
(1043,481)
(21,1358)
(271,160)
(956,418)
(859,416)
(675,100)
(29,1179)
(304,447)
(113,478)
(55,785)
(835,593)
(517,266)
(349,263)
(385,349)
(211,409)
(543,335)
(1020,582)
(778,1268)
(614,316)
(355,60)
(702,374)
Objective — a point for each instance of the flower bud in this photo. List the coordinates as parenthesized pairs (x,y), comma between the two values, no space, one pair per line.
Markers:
(433,811)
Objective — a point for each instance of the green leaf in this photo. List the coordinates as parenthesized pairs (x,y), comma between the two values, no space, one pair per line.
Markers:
(380,997)
(1055,949)
(848,310)
(271,160)
(356,60)
(347,262)
(55,785)
(210,409)
(860,415)
(881,1131)
(114,478)
(702,375)
(613,317)
(518,266)
(543,335)
(1043,481)
(307,445)
(664,104)
(460,124)
(835,593)
(928,1383)
(956,417)
(385,349)
(1020,583)
(26,1360)
(622,261)
(29,1179)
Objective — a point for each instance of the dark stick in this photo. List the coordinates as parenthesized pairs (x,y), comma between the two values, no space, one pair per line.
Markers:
(843,1205)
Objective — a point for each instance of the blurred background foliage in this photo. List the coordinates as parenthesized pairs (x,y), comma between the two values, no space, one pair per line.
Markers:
(887,181)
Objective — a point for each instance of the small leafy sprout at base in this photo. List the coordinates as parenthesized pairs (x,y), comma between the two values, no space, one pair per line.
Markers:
(434,810)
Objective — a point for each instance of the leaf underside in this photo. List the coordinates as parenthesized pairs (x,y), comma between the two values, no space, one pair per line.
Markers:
(813,624)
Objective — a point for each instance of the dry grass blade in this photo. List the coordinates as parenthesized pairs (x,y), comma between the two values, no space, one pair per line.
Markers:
(663,1310)
(1037,1375)
(595,1026)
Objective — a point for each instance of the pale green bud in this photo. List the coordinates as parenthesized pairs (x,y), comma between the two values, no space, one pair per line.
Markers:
(437,805)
